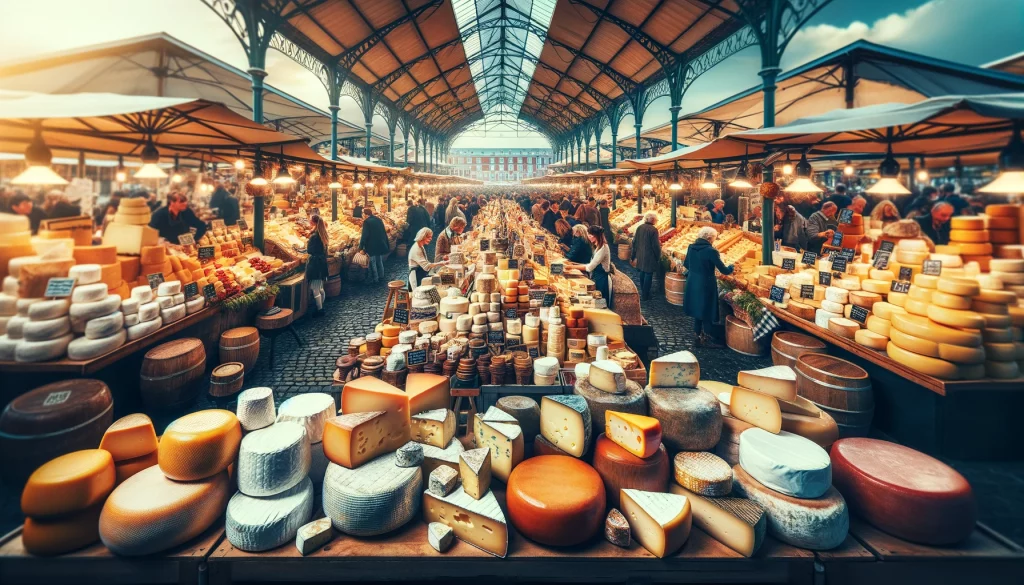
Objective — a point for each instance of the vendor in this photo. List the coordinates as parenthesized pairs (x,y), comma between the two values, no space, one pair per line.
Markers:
(935,225)
(579,250)
(821,226)
(176,218)
(226,205)
(600,266)
(700,296)
(450,236)
(419,268)
(790,227)
(22,204)
(717,212)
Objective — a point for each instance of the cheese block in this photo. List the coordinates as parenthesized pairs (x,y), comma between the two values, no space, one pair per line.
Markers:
(607,376)
(40,351)
(565,421)
(817,524)
(660,522)
(871,339)
(313,536)
(69,483)
(443,481)
(369,394)
(506,443)
(761,410)
(273,460)
(702,472)
(373,499)
(311,410)
(130,467)
(787,463)
(637,434)
(144,328)
(130,267)
(738,523)
(904,492)
(149,512)
(475,472)
(199,445)
(778,381)
(433,427)
(129,437)
(566,512)
(45,330)
(352,439)
(691,419)
(63,534)
(434,457)
(677,370)
(497,415)
(85,274)
(476,521)
(259,524)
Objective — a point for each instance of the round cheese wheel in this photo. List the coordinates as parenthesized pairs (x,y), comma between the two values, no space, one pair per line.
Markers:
(199,445)
(926,329)
(786,463)
(885,310)
(46,330)
(870,339)
(43,310)
(918,293)
(954,318)
(259,524)
(311,411)
(973,236)
(1002,370)
(144,328)
(85,273)
(86,348)
(81,313)
(691,418)
(949,301)
(620,469)
(63,534)
(967,287)
(41,351)
(89,293)
(273,460)
(104,326)
(903,492)
(917,307)
(556,513)
(598,401)
(927,365)
(703,473)
(69,483)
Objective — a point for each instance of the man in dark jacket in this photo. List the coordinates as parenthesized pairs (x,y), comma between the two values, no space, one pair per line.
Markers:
(821,226)
(647,253)
(700,296)
(176,218)
(588,213)
(374,242)
(226,205)
(439,215)
(416,217)
(22,204)
(935,225)
(606,223)
(551,215)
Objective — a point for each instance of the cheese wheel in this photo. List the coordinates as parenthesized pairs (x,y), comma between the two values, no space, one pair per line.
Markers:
(130,437)
(274,459)
(104,326)
(82,313)
(311,411)
(864,299)
(46,330)
(89,293)
(703,473)
(917,293)
(41,351)
(967,222)
(870,339)
(563,513)
(43,310)
(620,469)
(896,298)
(955,318)
(885,310)
(259,524)
(832,307)
(63,534)
(85,273)
(950,301)
(199,445)
(877,325)
(974,249)
(69,483)
(1007,264)
(927,365)
(85,348)
(843,327)
(143,328)
(958,286)
(1002,370)
(911,256)
(691,418)
(876,286)
(917,307)
(149,512)
(926,329)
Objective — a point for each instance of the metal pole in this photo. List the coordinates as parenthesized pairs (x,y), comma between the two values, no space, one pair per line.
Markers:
(258,203)
(675,144)
(768,74)
(334,156)
(640,192)
(615,138)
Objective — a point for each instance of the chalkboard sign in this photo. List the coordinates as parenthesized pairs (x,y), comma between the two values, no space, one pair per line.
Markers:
(191,290)
(515,348)
(539,259)
(242,224)
(932,267)
(210,292)
(246,241)
(540,237)
(549,300)
(59,288)
(527,274)
(825,278)
(837,239)
(906,273)
(495,337)
(846,216)
(512,313)
(476,352)
(537,294)
(155,279)
(186,239)
(401,315)
(416,357)
(839,264)
(485,245)
(534,351)
(789,263)
(859,314)
(557,268)
(900,286)
(809,258)
(447,278)
(806,291)
(848,253)
(887,246)
(513,263)
(777,294)
(206,253)
(881,260)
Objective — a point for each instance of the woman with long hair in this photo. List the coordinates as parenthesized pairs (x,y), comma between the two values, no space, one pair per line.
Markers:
(316,265)
(580,250)
(885,213)
(600,266)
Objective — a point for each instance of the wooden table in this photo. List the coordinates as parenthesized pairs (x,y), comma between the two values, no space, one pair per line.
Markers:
(96,564)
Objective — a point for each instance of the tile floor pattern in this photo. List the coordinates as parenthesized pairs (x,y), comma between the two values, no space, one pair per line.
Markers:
(998,486)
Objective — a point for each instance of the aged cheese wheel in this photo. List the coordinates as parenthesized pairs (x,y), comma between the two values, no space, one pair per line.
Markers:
(557,513)
(904,492)
(620,469)
(199,445)
(691,418)
(63,534)
(69,483)
(703,473)
(130,467)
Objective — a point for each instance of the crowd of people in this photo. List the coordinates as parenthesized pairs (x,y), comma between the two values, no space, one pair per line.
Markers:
(54,204)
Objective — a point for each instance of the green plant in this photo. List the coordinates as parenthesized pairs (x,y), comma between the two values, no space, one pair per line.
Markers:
(750,304)
(245,301)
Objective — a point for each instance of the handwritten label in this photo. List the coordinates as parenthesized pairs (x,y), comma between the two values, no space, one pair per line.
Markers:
(809,258)
(549,300)
(242,224)
(905,273)
(191,290)
(511,313)
(839,264)
(837,239)
(59,288)
(448,278)
(217,224)
(496,337)
(789,263)
(777,294)
(900,286)
(887,246)
(416,357)
(155,279)
(485,245)
(186,239)
(806,291)
(534,351)
(206,253)
(881,260)
(210,292)
(847,253)
(247,241)
(932,267)
(858,314)
(825,278)
(513,263)
(527,274)
(539,259)
(557,268)
(846,216)
(401,315)
(537,294)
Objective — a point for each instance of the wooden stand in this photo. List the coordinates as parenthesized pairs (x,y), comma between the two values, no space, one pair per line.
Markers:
(470,394)
(394,287)
(274,325)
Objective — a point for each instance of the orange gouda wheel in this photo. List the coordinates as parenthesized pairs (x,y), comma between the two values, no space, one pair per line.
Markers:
(556,500)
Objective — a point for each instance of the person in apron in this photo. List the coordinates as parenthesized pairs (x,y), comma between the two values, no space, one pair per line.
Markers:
(419,267)
(600,266)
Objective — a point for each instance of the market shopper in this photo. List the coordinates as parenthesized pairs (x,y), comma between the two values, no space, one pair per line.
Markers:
(22,204)
(564,232)
(419,267)
(885,213)
(588,213)
(226,205)
(176,218)
(717,211)
(551,215)
(579,250)
(600,266)
(790,227)
(700,296)
(316,265)
(57,204)
(450,236)
(606,211)
(821,226)
(646,252)
(416,218)
(453,211)
(935,225)
(374,242)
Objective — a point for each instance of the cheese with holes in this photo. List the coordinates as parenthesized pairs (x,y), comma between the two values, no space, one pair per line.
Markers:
(273,460)
(259,524)
(787,463)
(506,442)
(41,351)
(45,330)
(565,421)
(756,408)
(69,483)
(199,445)
(778,381)
(660,522)
(476,521)
(637,434)
(352,439)
(677,370)
(63,534)
(738,523)
(375,498)
(702,472)
(691,418)
(369,394)
(149,513)
(433,427)
(130,437)
(311,411)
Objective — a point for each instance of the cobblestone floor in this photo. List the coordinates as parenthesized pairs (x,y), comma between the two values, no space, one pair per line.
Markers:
(308,368)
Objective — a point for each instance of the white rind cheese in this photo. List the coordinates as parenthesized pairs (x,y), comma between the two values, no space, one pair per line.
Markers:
(375,498)
(440,536)
(148,311)
(84,348)
(273,460)
(787,463)
(311,411)
(169,288)
(144,328)
(259,524)
(48,309)
(45,330)
(677,370)
(89,293)
(172,314)
(82,313)
(86,273)
(130,306)
(41,351)
(104,326)
(142,294)
(255,408)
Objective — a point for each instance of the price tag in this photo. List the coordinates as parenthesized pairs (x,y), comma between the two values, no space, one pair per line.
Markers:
(881,260)
(448,278)
(511,313)
(557,268)
(495,337)
(242,224)
(932,267)
(549,300)
(537,294)
(155,279)
(539,259)
(247,241)
(887,246)
(789,263)
(210,292)
(217,224)
(906,273)
(513,263)
(837,240)
(401,315)
(206,253)
(858,314)
(847,253)
(846,216)
(515,348)
(825,278)
(527,274)
(540,237)
(839,264)
(485,245)
(777,294)
(809,258)
(534,351)
(900,286)
(59,288)
(416,357)
(191,290)
(806,291)
(186,239)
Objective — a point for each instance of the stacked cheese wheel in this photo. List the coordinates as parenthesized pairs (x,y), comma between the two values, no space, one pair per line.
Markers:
(853,232)
(15,239)
(127,233)
(132,442)
(970,235)
(171,301)
(95,312)
(111,269)
(141,312)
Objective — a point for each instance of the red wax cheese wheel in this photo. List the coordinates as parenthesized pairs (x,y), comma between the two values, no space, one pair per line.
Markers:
(903,492)
(620,469)
(556,500)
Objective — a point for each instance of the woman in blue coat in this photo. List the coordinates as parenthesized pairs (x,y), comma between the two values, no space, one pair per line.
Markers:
(700,297)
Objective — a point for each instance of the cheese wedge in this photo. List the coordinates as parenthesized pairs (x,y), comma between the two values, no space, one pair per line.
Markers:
(659,522)
(677,370)
(506,442)
(777,381)
(760,410)
(481,523)
(638,434)
(475,471)
(433,427)
(369,394)
(738,523)
(130,437)
(353,439)
(565,421)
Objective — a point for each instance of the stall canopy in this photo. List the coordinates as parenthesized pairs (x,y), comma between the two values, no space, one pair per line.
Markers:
(1012,64)
(860,74)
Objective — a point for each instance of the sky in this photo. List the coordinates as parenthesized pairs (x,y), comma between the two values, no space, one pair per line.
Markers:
(972,32)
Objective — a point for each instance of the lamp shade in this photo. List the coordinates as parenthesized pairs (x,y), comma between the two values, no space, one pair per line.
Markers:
(888,186)
(39,175)
(150,171)
(802,185)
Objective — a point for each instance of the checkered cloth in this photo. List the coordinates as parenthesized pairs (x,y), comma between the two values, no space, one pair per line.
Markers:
(765,326)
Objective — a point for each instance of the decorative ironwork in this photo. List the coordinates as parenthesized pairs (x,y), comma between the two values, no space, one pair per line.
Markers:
(661,53)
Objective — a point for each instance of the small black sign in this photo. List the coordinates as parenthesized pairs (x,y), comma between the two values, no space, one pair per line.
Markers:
(512,313)
(789,263)
(515,348)
(537,294)
(846,216)
(859,314)
(539,259)
(477,351)
(210,292)
(527,274)
(825,278)
(887,246)
(242,224)
(837,239)
(513,263)
(495,337)
(806,291)
(777,294)
(155,279)
(847,253)
(401,315)
(246,241)
(881,260)
(206,253)
(447,278)
(485,245)
(809,258)
(905,273)
(557,268)
(186,239)
(839,264)
(416,357)
(191,290)
(549,300)
(534,351)
(932,267)
(900,286)
(217,224)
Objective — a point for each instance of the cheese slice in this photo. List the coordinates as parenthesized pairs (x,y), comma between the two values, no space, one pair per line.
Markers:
(427,392)
(199,445)
(760,410)
(778,381)
(660,522)
(787,463)
(637,434)
(738,523)
(565,421)
(69,483)
(352,439)
(506,443)
(130,437)
(273,460)
(607,376)
(369,394)
(479,522)
(677,370)
(433,427)
(475,471)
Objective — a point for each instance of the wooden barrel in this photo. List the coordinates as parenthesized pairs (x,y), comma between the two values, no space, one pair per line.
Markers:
(333,266)
(332,287)
(833,383)
(623,251)
(226,379)
(241,344)
(740,337)
(789,345)
(675,283)
(278,320)
(170,372)
(50,421)
(851,423)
